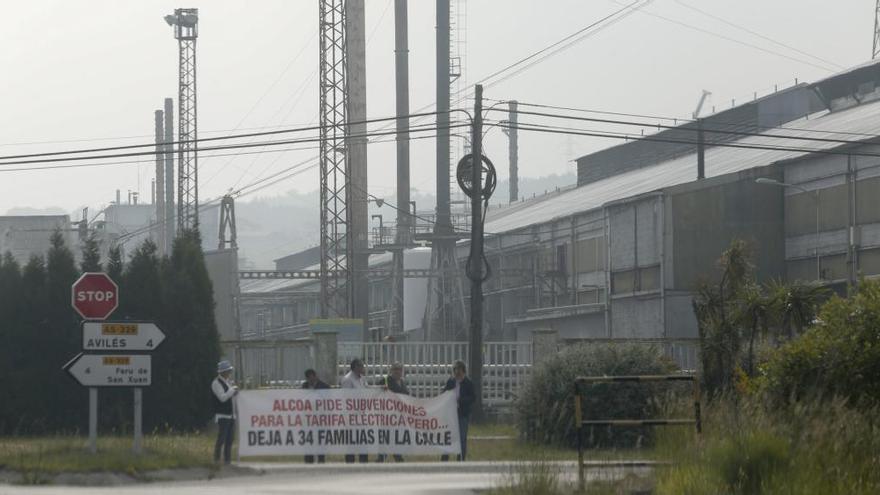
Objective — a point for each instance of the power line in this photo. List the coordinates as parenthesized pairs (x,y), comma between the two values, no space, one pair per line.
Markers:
(578,132)
(706,121)
(705,128)
(733,40)
(755,33)
(560,42)
(214,148)
(204,140)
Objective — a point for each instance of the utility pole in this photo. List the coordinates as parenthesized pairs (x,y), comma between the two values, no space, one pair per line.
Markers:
(404,215)
(701,151)
(159,184)
(476,272)
(169,175)
(186,30)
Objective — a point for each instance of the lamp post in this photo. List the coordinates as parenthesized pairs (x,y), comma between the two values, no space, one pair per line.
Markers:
(815,196)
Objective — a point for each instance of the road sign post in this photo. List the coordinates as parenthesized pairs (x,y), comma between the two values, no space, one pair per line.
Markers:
(111,370)
(121,336)
(95,296)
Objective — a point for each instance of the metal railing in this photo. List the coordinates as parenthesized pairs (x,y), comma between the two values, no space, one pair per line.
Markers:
(580,422)
(269,363)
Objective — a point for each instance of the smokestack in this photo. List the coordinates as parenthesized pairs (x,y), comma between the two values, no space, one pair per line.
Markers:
(355,44)
(118,197)
(169,174)
(404,215)
(159,182)
(444,222)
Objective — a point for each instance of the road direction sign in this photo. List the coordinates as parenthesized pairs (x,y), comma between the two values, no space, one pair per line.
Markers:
(94,296)
(121,336)
(111,370)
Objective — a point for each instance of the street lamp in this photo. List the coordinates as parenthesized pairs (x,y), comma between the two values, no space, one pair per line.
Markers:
(815,196)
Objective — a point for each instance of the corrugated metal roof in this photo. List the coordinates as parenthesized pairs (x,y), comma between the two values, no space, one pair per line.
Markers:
(719,161)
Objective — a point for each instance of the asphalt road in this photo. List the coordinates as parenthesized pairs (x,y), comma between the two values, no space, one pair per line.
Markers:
(372,479)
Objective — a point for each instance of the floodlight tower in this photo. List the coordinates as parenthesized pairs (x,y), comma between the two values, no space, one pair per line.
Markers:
(186,30)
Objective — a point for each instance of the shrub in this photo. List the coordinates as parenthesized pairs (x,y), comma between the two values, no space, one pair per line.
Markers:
(837,356)
(545,407)
(747,448)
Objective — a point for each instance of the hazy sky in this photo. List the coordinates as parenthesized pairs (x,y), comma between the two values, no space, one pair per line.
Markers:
(96,70)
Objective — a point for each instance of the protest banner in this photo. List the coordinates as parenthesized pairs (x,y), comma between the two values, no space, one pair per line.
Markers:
(345,421)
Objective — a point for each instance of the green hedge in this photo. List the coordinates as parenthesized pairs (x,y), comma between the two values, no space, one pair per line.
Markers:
(545,407)
(838,356)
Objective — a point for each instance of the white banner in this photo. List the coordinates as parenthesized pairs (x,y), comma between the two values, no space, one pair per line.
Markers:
(345,421)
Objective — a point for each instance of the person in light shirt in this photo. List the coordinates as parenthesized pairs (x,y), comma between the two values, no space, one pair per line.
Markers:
(224,414)
(465,395)
(355,379)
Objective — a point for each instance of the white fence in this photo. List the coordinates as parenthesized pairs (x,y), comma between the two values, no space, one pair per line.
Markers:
(427,365)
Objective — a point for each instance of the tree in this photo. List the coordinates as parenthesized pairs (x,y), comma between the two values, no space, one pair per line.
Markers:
(91,255)
(718,312)
(185,364)
(10,305)
(61,339)
(115,264)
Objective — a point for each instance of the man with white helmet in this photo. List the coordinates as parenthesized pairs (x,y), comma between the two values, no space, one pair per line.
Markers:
(224,414)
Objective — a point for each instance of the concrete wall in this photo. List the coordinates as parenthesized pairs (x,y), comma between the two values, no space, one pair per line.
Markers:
(28,235)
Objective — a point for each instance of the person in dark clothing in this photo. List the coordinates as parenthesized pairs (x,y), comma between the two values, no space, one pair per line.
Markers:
(224,414)
(465,394)
(314,383)
(394,383)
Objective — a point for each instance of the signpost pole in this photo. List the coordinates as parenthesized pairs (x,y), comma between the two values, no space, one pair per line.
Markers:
(138,420)
(93,419)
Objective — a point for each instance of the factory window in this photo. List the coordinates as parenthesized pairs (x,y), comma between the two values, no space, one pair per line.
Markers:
(590,255)
(869,262)
(623,282)
(561,263)
(649,278)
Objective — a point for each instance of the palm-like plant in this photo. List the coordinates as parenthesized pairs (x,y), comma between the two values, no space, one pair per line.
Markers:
(795,305)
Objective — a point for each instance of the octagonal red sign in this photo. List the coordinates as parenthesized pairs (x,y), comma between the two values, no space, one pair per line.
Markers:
(94,296)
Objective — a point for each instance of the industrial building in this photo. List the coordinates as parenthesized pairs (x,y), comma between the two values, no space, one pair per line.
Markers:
(620,255)
(24,236)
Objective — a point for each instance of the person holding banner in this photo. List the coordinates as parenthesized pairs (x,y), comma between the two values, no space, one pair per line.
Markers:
(224,415)
(355,379)
(394,383)
(314,383)
(465,395)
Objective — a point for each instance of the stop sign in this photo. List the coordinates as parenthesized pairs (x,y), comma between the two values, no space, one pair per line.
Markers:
(94,296)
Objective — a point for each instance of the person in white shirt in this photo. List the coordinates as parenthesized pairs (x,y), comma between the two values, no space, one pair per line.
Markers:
(224,414)
(355,379)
